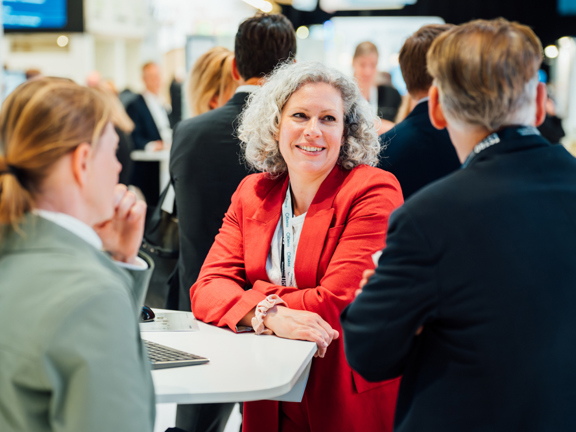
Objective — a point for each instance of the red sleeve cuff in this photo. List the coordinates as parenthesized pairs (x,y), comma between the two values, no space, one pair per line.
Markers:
(248,302)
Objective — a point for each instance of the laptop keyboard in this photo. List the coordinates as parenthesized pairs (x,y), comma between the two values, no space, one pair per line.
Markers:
(162,357)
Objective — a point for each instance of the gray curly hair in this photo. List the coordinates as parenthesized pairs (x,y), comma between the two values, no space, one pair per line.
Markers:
(260,120)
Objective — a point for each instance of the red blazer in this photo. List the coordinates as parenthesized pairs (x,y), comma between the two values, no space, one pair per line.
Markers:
(344,226)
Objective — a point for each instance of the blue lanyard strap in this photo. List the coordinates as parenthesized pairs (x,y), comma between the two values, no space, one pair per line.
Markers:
(288,253)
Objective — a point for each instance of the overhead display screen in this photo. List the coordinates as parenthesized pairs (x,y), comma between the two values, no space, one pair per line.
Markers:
(567,7)
(34,14)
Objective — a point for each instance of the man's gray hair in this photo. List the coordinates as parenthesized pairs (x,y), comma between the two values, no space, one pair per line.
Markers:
(491,116)
(260,120)
(487,74)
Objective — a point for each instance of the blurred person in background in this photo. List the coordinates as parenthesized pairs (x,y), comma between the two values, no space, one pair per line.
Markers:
(297,236)
(93,79)
(150,116)
(473,299)
(415,151)
(404,109)
(383,78)
(126,96)
(205,169)
(175,91)
(552,128)
(210,86)
(211,83)
(72,284)
(152,130)
(123,125)
(32,74)
(384,99)
(110,84)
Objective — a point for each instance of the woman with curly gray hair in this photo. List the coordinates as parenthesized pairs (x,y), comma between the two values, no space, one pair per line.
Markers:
(297,237)
(260,122)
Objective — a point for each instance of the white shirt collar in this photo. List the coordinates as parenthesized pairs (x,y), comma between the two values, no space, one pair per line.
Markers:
(75,226)
(424,99)
(247,88)
(159,115)
(86,233)
(149,94)
(374,99)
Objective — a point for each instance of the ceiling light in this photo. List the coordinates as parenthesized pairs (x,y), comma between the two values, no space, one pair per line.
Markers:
(263,5)
(302,32)
(305,5)
(551,51)
(62,41)
(266,7)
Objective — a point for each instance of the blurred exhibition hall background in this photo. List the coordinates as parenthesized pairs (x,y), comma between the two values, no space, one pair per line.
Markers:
(110,40)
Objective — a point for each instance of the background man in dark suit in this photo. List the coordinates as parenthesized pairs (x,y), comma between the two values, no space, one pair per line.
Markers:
(414,151)
(474,298)
(206,169)
(151,130)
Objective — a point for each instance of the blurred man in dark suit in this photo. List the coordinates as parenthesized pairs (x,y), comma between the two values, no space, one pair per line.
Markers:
(414,151)
(206,169)
(474,300)
(151,131)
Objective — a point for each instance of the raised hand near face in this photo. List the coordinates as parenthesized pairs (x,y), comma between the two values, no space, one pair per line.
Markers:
(122,235)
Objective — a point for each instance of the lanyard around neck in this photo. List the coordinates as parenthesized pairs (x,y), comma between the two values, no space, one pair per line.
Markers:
(288,254)
(487,142)
(510,132)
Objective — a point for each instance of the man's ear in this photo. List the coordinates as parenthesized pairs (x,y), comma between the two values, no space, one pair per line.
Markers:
(235,73)
(80,160)
(435,109)
(541,98)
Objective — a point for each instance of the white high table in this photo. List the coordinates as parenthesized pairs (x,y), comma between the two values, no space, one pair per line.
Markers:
(243,367)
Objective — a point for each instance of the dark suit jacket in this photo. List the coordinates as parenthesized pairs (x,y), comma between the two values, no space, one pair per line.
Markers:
(485,260)
(125,147)
(175,115)
(416,152)
(144,174)
(206,169)
(389,100)
(145,129)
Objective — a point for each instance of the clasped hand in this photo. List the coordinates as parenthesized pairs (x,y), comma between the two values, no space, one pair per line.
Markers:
(122,235)
(304,325)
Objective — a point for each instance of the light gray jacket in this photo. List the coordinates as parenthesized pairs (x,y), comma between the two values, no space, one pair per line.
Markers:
(71,357)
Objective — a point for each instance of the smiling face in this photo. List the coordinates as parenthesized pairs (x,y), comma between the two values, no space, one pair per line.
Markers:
(312,130)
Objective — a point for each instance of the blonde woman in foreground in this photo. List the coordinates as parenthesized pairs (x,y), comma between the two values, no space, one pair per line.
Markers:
(70,349)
